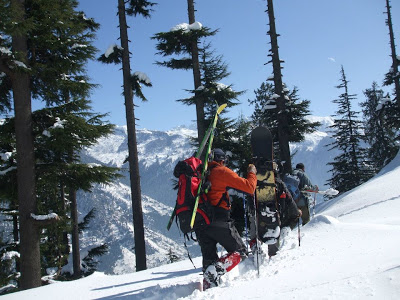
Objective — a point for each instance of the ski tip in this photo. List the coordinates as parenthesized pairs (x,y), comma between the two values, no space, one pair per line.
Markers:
(221,108)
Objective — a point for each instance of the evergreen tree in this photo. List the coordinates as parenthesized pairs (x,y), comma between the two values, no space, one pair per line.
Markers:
(9,258)
(281,116)
(378,134)
(57,130)
(50,42)
(131,87)
(241,153)
(213,71)
(181,44)
(14,64)
(172,256)
(90,262)
(265,113)
(393,76)
(349,168)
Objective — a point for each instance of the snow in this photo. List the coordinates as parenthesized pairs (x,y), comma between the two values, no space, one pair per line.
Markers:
(110,49)
(20,64)
(5,51)
(58,124)
(2,75)
(221,87)
(186,27)
(9,255)
(142,77)
(275,96)
(383,102)
(5,156)
(44,217)
(74,46)
(349,250)
(3,172)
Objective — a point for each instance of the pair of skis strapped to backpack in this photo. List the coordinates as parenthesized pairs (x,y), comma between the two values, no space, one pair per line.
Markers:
(208,138)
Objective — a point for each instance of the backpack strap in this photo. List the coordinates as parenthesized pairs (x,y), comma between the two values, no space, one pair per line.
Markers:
(225,198)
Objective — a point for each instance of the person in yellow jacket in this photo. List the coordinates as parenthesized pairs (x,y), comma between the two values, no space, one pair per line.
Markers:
(222,230)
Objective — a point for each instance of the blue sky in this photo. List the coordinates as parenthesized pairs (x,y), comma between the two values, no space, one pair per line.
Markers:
(317,37)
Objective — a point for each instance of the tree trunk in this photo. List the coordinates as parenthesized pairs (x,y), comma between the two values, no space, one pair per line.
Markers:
(29,232)
(283,128)
(76,257)
(395,61)
(64,213)
(140,247)
(201,128)
(15,225)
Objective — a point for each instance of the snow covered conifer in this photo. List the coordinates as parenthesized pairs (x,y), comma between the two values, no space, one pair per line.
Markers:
(379,133)
(350,168)
(181,43)
(44,48)
(265,113)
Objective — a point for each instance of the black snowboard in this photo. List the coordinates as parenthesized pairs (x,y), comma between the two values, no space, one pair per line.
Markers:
(267,214)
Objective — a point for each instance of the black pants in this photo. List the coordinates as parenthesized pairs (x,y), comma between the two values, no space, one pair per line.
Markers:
(222,232)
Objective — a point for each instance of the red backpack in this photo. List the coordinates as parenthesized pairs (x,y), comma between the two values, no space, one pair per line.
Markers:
(189,173)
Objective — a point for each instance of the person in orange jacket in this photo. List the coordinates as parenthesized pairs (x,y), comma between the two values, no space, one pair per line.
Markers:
(222,230)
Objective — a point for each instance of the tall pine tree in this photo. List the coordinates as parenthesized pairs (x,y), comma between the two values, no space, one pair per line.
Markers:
(181,44)
(131,87)
(281,103)
(349,168)
(393,76)
(379,134)
(265,113)
(46,46)
(214,93)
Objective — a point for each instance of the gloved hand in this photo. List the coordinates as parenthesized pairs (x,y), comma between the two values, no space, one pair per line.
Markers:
(300,213)
(252,168)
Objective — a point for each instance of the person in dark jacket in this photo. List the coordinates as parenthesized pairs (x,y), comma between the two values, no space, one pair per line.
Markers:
(222,230)
(305,183)
(288,213)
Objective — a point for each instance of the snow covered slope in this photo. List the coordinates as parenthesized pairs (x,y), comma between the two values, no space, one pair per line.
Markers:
(349,250)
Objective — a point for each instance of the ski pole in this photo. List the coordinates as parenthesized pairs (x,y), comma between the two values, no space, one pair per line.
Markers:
(315,202)
(298,230)
(245,223)
(256,227)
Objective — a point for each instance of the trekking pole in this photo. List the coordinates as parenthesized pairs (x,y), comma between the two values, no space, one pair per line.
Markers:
(298,230)
(245,223)
(256,227)
(315,202)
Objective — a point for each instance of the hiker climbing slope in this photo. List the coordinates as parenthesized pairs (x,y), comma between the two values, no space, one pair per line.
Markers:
(304,199)
(222,230)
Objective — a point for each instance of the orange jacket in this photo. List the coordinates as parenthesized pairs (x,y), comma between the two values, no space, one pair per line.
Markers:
(222,178)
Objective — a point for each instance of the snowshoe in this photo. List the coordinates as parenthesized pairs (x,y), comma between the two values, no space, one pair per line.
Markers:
(212,275)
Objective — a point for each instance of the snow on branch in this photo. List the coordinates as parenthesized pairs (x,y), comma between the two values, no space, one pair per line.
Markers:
(5,51)
(110,50)
(221,87)
(5,156)
(10,255)
(4,172)
(142,77)
(185,27)
(45,219)
(382,103)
